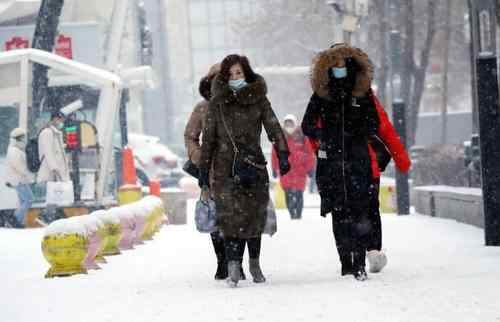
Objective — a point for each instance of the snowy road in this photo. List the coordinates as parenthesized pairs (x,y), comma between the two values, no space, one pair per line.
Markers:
(438,271)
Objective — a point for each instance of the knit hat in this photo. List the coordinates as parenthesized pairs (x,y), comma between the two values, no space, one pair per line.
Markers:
(56,113)
(291,118)
(17,132)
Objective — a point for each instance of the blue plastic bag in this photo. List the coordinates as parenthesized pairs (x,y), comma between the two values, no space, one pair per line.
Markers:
(205,216)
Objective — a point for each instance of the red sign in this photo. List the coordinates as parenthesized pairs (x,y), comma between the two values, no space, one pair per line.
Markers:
(17,43)
(64,47)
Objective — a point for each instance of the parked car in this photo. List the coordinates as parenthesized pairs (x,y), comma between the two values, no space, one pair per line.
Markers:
(154,160)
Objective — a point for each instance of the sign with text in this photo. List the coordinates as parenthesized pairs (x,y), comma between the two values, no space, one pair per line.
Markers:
(64,47)
(17,43)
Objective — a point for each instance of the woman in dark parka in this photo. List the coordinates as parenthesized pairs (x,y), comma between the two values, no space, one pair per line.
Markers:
(341,78)
(237,112)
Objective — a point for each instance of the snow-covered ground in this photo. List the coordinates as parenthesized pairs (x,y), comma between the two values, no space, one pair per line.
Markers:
(438,271)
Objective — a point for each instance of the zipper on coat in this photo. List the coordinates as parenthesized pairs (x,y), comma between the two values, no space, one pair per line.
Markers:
(343,147)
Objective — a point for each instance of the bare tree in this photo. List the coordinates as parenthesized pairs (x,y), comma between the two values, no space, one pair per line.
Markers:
(382,67)
(415,72)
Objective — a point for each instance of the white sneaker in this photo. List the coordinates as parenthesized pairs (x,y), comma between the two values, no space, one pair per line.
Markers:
(377,260)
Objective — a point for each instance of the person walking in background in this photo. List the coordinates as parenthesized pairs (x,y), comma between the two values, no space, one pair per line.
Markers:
(192,140)
(231,155)
(18,175)
(302,162)
(54,163)
(341,80)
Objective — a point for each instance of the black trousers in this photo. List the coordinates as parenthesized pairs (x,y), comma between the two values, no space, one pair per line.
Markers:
(375,241)
(295,202)
(353,231)
(235,248)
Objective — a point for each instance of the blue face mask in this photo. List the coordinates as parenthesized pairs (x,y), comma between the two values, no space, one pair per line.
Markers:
(339,72)
(237,84)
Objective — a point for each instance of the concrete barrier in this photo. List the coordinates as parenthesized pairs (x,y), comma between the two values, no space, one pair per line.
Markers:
(459,203)
(175,201)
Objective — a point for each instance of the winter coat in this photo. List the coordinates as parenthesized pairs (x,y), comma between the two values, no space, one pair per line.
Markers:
(54,162)
(17,167)
(192,133)
(241,211)
(388,136)
(194,127)
(344,172)
(302,161)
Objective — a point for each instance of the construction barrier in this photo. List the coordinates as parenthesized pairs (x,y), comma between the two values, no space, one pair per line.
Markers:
(74,245)
(387,197)
(279,196)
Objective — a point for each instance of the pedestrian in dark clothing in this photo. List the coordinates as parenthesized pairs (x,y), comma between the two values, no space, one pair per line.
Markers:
(231,155)
(192,140)
(341,78)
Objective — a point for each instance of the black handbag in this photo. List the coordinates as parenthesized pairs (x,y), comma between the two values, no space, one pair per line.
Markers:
(245,166)
(191,169)
(381,151)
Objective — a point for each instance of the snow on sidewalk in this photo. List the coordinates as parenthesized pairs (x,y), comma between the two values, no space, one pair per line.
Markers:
(438,270)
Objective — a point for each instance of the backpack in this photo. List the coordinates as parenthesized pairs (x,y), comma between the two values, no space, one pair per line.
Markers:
(32,155)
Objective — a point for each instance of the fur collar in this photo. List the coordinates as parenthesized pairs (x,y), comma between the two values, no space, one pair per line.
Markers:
(328,58)
(206,82)
(250,94)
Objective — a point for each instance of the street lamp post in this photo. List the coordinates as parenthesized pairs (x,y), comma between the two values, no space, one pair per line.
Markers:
(487,93)
(399,119)
(350,14)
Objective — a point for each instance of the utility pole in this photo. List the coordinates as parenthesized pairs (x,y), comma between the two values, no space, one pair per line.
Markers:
(446,60)
(484,26)
(399,119)
(46,31)
(473,50)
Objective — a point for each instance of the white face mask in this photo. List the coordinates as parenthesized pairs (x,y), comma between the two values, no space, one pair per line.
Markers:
(289,130)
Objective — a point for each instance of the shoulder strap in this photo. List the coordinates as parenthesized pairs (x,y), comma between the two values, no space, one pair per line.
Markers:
(235,148)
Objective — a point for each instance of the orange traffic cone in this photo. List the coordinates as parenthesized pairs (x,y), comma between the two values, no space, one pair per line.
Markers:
(129,192)
(154,188)
(129,173)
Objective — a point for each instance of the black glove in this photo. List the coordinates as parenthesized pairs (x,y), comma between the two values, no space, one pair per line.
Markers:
(204,178)
(8,185)
(284,164)
(275,174)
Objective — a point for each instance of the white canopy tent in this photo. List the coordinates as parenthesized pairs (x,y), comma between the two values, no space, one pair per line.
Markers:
(15,85)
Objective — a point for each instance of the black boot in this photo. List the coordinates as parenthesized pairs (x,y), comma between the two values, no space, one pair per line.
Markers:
(219,249)
(235,248)
(359,258)
(221,273)
(256,271)
(346,261)
(242,273)
(361,275)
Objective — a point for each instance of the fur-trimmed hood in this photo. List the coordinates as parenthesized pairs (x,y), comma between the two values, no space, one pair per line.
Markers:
(329,58)
(206,82)
(250,94)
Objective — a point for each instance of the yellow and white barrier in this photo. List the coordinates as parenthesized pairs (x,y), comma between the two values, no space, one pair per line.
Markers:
(73,245)
(387,196)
